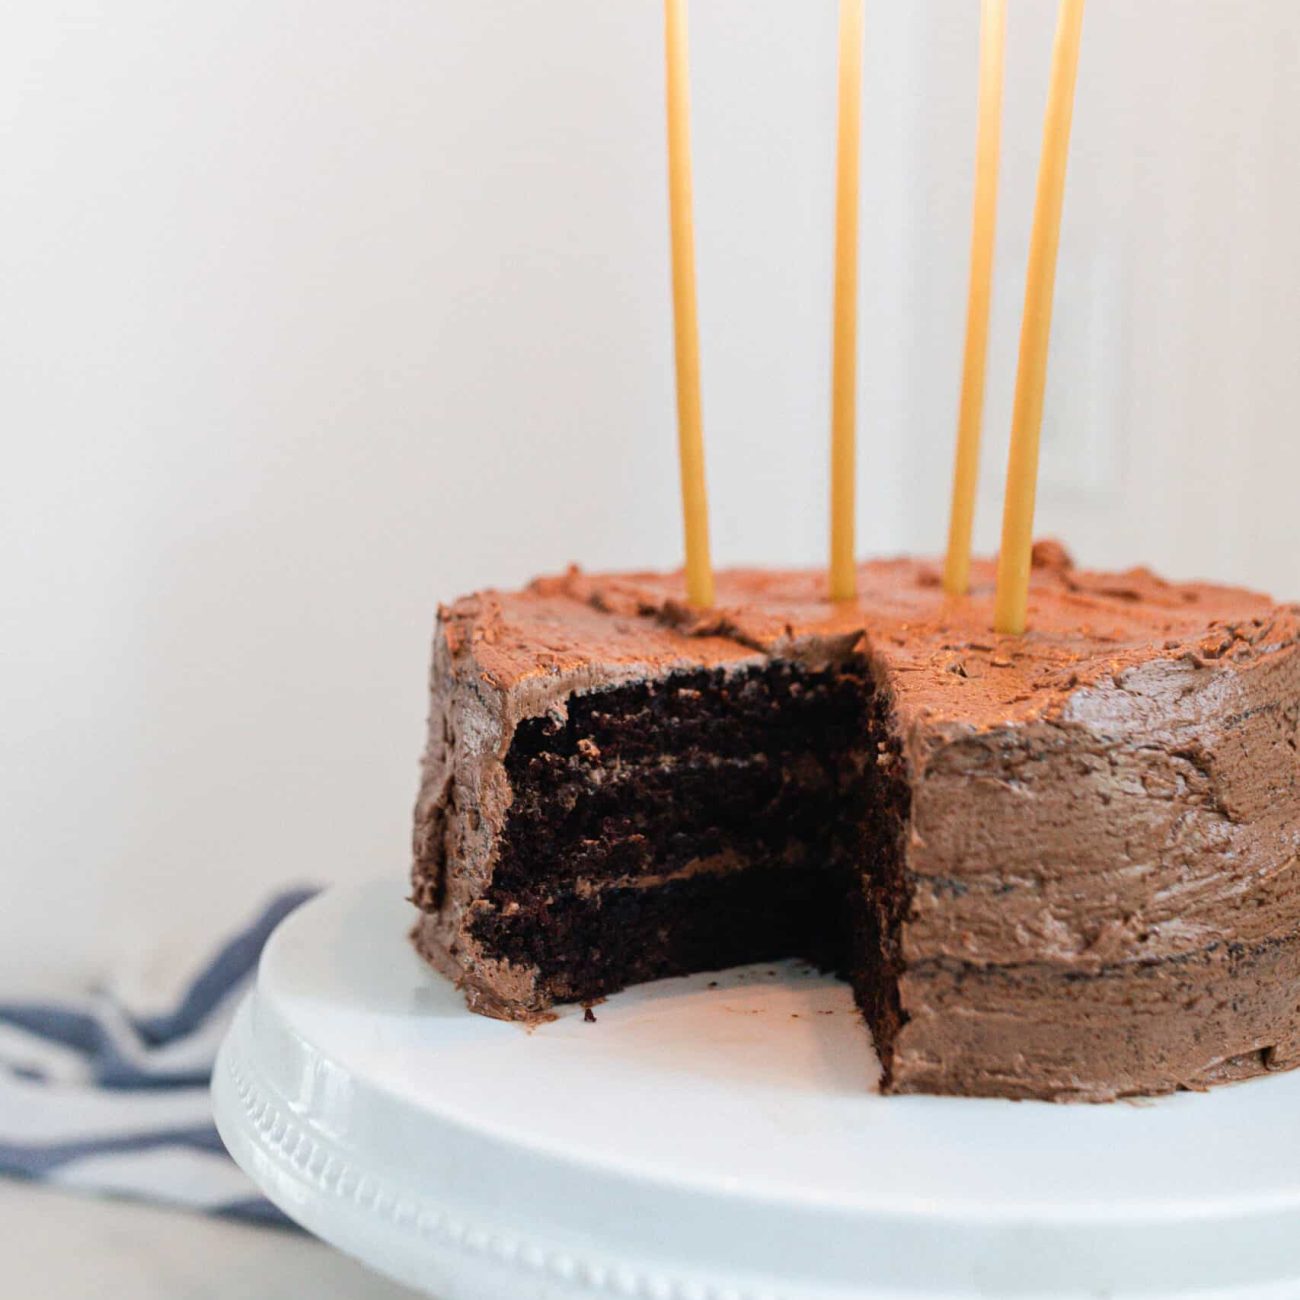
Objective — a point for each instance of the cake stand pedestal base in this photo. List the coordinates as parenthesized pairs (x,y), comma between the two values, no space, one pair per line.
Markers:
(715,1138)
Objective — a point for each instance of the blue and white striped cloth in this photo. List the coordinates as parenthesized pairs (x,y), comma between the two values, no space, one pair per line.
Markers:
(98,1097)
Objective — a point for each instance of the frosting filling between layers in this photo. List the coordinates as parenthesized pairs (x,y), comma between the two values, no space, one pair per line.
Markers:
(696,821)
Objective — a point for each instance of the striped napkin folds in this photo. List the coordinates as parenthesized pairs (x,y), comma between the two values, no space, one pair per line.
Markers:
(97,1096)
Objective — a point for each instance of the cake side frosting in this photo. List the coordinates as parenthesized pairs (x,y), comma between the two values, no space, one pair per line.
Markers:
(1104,813)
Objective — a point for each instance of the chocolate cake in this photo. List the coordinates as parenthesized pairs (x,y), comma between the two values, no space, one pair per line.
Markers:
(1061,865)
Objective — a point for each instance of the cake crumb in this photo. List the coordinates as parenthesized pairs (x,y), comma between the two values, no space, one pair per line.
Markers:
(588,1016)
(1047,553)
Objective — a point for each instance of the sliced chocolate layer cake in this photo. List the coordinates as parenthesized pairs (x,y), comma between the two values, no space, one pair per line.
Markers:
(1060,865)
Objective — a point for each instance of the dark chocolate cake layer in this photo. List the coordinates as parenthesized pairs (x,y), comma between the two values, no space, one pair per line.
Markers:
(1059,865)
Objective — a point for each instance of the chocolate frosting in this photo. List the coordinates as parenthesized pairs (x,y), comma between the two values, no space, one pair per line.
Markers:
(1105,812)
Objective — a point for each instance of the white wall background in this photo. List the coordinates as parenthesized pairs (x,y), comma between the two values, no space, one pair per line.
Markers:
(313,314)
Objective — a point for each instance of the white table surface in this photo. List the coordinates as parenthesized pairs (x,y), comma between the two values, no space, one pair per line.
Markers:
(63,1247)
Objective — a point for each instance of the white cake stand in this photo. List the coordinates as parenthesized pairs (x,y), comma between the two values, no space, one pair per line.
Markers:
(715,1138)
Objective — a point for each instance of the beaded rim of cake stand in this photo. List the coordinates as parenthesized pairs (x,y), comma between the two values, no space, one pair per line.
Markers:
(310,1159)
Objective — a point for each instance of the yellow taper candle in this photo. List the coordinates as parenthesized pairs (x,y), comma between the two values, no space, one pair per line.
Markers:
(690,430)
(843,574)
(970,419)
(1036,328)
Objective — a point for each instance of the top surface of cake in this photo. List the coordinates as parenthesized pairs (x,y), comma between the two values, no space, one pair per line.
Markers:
(1054,865)
(579,631)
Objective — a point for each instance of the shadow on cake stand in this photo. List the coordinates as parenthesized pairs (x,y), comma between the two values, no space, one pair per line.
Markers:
(715,1138)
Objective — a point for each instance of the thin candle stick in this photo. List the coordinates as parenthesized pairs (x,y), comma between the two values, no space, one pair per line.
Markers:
(1035,329)
(843,574)
(970,419)
(690,424)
